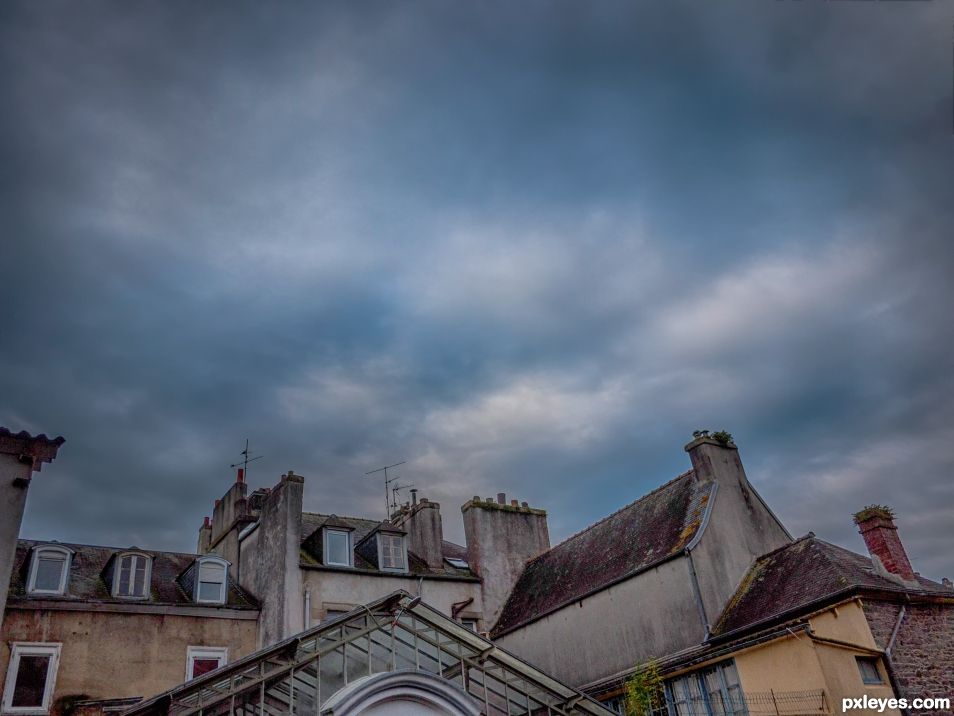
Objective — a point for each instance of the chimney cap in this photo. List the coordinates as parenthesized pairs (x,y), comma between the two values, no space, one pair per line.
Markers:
(874,511)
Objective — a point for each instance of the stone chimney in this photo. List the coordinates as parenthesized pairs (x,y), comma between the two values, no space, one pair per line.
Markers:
(421,520)
(21,454)
(876,525)
(205,537)
(501,538)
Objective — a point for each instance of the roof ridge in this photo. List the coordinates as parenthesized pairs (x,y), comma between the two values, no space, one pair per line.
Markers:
(341,517)
(611,515)
(131,548)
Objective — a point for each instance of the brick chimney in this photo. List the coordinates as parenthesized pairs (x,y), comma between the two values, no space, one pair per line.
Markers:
(876,525)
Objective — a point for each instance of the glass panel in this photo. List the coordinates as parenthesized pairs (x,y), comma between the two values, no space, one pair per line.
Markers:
(49,570)
(392,551)
(713,683)
(140,577)
(211,572)
(203,666)
(31,681)
(124,570)
(337,547)
(210,592)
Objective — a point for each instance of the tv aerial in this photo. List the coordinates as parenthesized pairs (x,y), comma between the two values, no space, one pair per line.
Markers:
(394,493)
(247,459)
(387,485)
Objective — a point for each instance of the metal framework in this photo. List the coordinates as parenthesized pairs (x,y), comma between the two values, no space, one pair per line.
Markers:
(300,674)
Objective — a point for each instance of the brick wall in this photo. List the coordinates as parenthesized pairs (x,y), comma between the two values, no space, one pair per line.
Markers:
(923,651)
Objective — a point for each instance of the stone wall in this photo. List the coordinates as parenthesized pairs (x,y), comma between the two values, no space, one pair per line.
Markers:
(923,650)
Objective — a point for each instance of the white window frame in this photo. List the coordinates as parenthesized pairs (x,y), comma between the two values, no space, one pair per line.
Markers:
(147,581)
(391,535)
(31,648)
(205,652)
(225,579)
(64,552)
(350,550)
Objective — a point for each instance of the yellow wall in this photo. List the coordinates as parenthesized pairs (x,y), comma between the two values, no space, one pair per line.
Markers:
(114,655)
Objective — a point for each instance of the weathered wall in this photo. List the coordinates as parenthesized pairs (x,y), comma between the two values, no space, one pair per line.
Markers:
(269,561)
(500,540)
(109,655)
(923,650)
(650,615)
(425,532)
(14,482)
(344,590)
(741,527)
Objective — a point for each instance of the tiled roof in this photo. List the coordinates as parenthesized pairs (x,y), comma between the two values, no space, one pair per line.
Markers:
(801,574)
(311,554)
(640,535)
(87,583)
(24,435)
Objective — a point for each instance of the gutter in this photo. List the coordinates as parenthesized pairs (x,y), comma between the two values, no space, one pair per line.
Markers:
(888,661)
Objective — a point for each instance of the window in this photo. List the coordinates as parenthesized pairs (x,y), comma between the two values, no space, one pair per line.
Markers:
(131,576)
(211,580)
(391,552)
(30,678)
(711,692)
(203,659)
(49,570)
(468,623)
(459,563)
(870,673)
(338,547)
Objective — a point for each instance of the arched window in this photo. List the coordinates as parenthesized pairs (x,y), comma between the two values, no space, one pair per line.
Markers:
(132,576)
(49,570)
(211,580)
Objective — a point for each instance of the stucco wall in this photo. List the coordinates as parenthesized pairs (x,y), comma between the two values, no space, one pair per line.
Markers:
(12,503)
(650,615)
(110,655)
(344,590)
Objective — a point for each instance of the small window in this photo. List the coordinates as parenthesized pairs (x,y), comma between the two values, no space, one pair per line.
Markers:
(49,570)
(30,678)
(131,578)
(469,624)
(870,673)
(459,563)
(203,659)
(211,581)
(338,548)
(392,555)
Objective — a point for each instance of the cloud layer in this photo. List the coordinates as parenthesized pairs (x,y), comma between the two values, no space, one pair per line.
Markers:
(526,249)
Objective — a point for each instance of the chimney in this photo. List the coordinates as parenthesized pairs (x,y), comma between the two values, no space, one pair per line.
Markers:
(425,532)
(876,525)
(240,477)
(205,537)
(501,538)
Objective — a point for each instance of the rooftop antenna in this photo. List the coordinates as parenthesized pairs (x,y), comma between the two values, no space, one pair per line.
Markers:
(394,493)
(244,463)
(387,484)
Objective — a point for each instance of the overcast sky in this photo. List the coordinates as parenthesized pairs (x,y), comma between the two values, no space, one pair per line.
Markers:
(526,247)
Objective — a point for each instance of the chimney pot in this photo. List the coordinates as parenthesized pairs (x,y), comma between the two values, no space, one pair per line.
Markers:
(414,496)
(205,521)
(501,498)
(291,473)
(489,500)
(947,583)
(240,476)
(514,503)
(525,504)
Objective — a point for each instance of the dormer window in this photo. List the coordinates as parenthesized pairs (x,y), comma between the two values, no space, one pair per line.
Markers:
(392,552)
(49,570)
(211,580)
(338,550)
(132,575)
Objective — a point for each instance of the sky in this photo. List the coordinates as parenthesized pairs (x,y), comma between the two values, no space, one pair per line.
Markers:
(523,247)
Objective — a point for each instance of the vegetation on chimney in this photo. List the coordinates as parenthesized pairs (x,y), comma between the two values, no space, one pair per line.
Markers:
(723,436)
(882,511)
(644,690)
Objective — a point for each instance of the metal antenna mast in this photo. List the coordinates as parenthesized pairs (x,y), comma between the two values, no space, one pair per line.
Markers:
(387,483)
(244,463)
(394,493)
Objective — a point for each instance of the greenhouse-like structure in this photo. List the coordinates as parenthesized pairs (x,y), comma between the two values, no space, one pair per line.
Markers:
(396,656)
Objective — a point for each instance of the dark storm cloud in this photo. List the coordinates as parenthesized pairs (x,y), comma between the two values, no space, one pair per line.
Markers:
(523,248)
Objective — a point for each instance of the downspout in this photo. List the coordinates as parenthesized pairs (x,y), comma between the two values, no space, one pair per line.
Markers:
(888,662)
(307,616)
(693,543)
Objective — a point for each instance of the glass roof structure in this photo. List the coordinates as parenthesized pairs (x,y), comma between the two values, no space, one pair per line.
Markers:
(396,633)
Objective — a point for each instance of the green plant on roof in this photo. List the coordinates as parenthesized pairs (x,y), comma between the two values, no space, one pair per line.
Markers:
(882,511)
(723,437)
(644,690)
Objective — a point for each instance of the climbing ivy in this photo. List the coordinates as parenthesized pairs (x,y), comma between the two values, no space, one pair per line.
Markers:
(644,690)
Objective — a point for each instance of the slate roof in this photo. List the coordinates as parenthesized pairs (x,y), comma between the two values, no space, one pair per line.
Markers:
(801,574)
(646,532)
(169,583)
(311,553)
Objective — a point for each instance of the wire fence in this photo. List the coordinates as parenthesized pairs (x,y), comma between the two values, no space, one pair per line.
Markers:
(759,703)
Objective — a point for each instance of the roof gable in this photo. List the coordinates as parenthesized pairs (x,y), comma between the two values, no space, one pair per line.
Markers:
(644,533)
